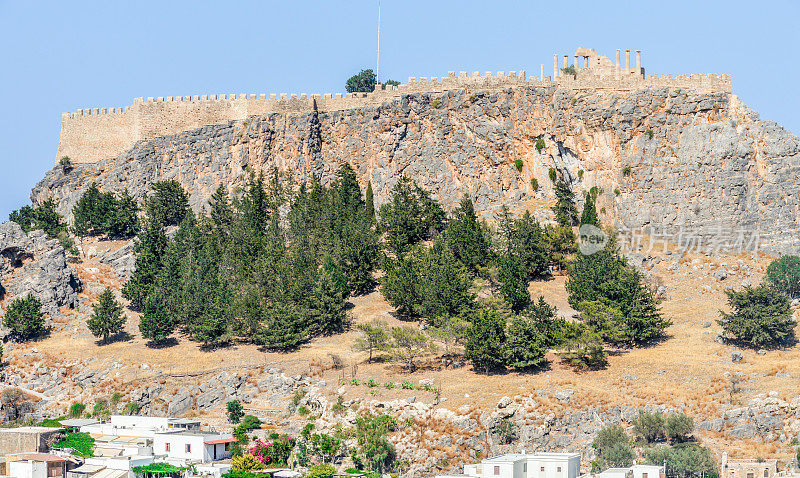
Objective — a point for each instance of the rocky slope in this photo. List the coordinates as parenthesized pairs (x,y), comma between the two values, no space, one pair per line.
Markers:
(663,158)
(33,264)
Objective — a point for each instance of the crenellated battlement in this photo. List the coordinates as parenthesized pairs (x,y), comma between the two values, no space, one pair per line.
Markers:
(90,135)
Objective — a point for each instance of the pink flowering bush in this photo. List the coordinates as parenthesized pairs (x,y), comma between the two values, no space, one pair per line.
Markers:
(275,451)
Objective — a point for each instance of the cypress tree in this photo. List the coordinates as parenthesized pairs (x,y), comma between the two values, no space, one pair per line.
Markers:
(466,237)
(565,210)
(513,282)
(107,317)
(369,204)
(400,284)
(443,288)
(330,295)
(526,346)
(150,250)
(486,341)
(169,203)
(155,323)
(589,215)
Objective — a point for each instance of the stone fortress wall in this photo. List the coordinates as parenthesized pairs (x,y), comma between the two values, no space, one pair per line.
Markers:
(90,135)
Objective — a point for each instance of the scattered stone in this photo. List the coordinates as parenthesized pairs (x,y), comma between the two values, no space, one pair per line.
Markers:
(736,356)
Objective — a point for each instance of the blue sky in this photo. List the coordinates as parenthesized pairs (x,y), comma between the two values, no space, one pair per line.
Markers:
(61,56)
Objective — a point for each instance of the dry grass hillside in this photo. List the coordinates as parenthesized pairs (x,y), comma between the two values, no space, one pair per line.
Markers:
(689,369)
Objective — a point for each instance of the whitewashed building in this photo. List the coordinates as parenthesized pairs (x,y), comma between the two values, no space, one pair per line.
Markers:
(195,446)
(518,465)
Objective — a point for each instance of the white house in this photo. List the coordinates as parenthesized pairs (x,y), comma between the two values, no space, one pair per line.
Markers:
(136,426)
(195,446)
(517,465)
(635,471)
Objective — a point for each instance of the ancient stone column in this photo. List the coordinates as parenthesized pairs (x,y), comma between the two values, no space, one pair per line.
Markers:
(555,66)
(541,73)
(566,61)
(617,60)
(577,63)
(628,60)
(638,61)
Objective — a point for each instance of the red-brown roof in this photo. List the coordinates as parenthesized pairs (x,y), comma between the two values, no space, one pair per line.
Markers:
(38,457)
(220,440)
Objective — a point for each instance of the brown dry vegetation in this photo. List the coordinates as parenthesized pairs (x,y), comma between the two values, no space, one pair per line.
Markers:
(687,369)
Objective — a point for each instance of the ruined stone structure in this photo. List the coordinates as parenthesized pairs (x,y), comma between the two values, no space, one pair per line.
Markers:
(90,135)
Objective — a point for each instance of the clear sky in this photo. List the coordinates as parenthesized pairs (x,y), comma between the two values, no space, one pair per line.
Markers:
(60,56)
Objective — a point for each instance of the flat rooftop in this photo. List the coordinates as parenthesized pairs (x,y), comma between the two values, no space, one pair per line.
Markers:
(29,430)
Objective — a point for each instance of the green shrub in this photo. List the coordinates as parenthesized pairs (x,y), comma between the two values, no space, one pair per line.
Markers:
(248,424)
(131,408)
(569,70)
(407,386)
(626,171)
(321,471)
(678,427)
(580,174)
(518,164)
(553,174)
(82,444)
(42,217)
(372,383)
(235,411)
(76,410)
(784,275)
(160,469)
(613,447)
(761,316)
(25,318)
(506,431)
(649,133)
(303,410)
(649,426)
(534,184)
(539,144)
(617,192)
(436,103)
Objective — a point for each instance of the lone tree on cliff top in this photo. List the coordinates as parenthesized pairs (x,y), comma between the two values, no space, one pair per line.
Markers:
(362,82)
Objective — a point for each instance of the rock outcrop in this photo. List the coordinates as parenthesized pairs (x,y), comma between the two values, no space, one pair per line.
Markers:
(662,157)
(33,264)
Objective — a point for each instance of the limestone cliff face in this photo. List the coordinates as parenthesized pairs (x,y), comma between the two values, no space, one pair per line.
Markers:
(663,157)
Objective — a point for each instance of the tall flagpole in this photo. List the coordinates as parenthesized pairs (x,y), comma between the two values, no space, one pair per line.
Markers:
(378,66)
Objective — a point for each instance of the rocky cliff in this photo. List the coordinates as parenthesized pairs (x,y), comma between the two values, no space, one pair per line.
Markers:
(662,157)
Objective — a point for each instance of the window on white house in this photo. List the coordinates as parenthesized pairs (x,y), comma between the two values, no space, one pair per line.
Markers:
(188,448)
(525,467)
(541,469)
(496,470)
(644,475)
(766,473)
(558,469)
(166,447)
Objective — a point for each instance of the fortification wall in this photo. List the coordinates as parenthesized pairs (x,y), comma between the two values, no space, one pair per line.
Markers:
(88,136)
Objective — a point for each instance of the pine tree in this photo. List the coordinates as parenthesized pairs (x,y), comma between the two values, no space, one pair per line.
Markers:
(565,210)
(762,316)
(410,216)
(486,341)
(513,282)
(155,323)
(24,317)
(169,203)
(122,220)
(466,238)
(526,346)
(605,276)
(107,317)
(85,211)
